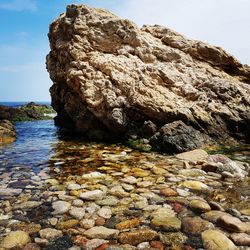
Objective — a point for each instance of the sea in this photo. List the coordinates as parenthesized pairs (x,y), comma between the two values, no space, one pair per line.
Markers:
(18,104)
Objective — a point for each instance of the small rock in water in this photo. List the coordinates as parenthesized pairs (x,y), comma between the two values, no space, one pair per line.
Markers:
(77,212)
(100,233)
(193,156)
(199,206)
(241,239)
(10,191)
(93,244)
(73,186)
(92,195)
(93,175)
(195,185)
(136,237)
(105,213)
(15,239)
(128,224)
(61,207)
(50,233)
(216,240)
(170,239)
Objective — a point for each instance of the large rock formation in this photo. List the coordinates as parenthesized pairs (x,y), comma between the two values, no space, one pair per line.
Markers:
(110,75)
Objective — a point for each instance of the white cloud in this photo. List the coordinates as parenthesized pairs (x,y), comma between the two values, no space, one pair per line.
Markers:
(220,22)
(18,5)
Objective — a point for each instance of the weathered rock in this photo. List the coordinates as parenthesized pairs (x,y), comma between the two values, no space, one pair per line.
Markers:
(216,240)
(15,239)
(136,237)
(111,76)
(7,131)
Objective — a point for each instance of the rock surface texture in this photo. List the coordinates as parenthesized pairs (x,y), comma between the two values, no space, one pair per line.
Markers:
(111,76)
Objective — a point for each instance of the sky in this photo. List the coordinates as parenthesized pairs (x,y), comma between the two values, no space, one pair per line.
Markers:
(24,27)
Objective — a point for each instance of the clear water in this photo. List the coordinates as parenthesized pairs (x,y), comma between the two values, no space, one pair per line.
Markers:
(34,145)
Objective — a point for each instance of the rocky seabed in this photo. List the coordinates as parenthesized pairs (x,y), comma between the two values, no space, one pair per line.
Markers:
(115,198)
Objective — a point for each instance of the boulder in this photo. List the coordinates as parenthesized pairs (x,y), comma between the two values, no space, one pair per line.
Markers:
(114,79)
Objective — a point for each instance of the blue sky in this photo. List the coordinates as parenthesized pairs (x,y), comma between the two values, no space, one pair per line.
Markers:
(24,27)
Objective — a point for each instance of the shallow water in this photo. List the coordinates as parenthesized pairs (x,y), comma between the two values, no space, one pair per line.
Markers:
(41,163)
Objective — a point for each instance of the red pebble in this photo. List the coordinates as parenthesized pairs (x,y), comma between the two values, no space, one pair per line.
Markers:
(187,248)
(103,246)
(100,221)
(177,207)
(157,244)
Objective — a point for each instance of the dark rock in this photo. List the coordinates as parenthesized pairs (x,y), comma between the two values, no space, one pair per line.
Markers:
(177,137)
(62,243)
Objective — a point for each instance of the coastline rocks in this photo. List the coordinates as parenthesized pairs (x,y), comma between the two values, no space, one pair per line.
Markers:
(27,112)
(114,79)
(7,132)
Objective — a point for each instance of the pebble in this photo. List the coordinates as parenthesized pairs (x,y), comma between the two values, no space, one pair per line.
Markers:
(241,239)
(105,213)
(129,180)
(77,203)
(195,185)
(213,215)
(61,207)
(87,223)
(199,206)
(92,195)
(15,239)
(108,201)
(168,192)
(77,212)
(73,186)
(231,223)
(170,239)
(143,246)
(67,224)
(10,191)
(136,237)
(195,225)
(193,156)
(28,205)
(100,233)
(93,175)
(216,240)
(93,244)
(127,224)
(50,233)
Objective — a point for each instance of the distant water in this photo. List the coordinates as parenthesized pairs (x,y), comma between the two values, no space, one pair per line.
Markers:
(17,104)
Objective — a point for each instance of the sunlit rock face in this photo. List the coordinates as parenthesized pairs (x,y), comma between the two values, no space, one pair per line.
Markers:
(110,75)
